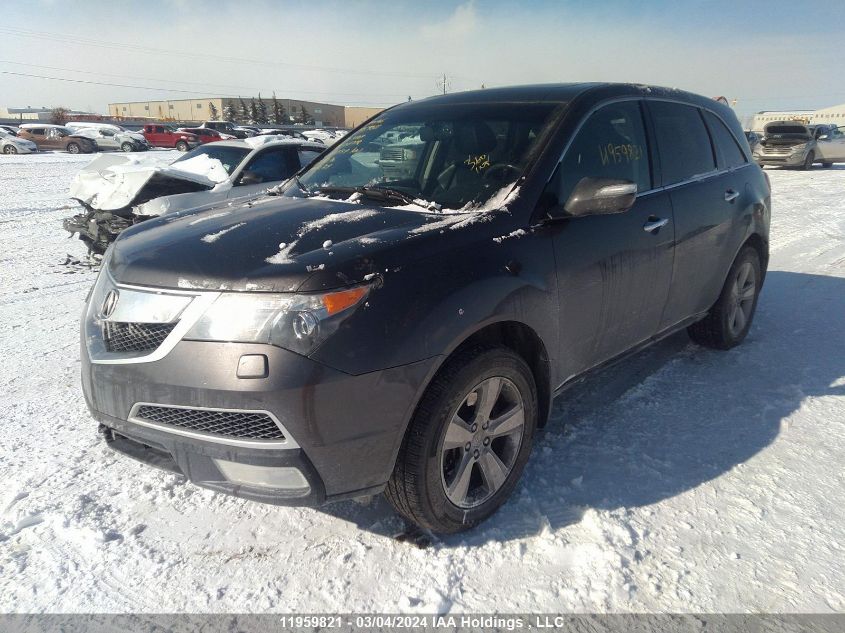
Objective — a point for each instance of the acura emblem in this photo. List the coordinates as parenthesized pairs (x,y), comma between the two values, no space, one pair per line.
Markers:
(110,303)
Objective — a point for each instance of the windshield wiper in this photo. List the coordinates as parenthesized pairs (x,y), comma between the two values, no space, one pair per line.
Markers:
(384,194)
(277,190)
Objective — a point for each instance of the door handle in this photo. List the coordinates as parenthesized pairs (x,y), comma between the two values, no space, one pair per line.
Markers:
(731,195)
(654,224)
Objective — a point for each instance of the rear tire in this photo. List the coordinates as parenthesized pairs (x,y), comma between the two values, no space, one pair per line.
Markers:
(127,147)
(73,148)
(10,149)
(729,320)
(182,146)
(468,442)
(808,162)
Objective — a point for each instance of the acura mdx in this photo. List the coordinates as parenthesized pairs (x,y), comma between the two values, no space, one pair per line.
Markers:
(365,328)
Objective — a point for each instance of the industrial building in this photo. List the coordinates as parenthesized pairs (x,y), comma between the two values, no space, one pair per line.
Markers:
(322,114)
(833,114)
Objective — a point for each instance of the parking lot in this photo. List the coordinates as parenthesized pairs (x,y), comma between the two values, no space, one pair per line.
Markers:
(684,479)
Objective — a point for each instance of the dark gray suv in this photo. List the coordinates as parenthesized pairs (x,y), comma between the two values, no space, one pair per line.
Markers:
(360,330)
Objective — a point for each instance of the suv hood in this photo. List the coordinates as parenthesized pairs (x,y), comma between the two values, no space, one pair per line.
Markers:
(113,182)
(283,244)
(789,133)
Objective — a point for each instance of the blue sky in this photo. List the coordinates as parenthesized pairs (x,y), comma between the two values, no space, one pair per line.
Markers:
(766,55)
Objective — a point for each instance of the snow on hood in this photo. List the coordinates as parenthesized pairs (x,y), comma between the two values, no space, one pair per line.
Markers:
(112,182)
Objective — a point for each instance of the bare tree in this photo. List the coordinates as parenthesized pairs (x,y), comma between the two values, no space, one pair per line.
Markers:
(59,115)
(212,111)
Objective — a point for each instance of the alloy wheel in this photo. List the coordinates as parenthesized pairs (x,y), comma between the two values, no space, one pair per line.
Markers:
(481,442)
(742,298)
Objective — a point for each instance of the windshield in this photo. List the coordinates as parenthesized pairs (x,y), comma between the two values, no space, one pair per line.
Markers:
(229,157)
(455,156)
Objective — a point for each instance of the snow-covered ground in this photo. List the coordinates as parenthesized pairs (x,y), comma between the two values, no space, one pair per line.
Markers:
(683,480)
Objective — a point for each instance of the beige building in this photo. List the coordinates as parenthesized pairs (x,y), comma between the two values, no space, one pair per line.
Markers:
(322,114)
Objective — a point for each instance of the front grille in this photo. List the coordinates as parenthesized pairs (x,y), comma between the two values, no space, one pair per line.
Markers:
(236,424)
(777,149)
(135,337)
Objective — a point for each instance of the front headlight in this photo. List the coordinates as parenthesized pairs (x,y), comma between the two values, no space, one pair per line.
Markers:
(296,322)
(797,149)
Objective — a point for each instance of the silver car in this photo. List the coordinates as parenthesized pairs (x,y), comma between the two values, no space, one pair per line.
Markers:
(11,144)
(111,139)
(796,144)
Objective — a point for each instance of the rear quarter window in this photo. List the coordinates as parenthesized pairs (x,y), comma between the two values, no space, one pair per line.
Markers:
(728,153)
(682,141)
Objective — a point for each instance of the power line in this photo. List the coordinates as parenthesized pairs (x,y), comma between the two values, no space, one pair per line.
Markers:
(103,83)
(244,89)
(68,39)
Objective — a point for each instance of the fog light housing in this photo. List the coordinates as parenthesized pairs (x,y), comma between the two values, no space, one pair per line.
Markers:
(285,478)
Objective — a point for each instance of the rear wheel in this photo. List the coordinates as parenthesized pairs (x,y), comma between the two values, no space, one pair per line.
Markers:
(73,148)
(182,146)
(466,447)
(10,149)
(808,162)
(729,320)
(127,147)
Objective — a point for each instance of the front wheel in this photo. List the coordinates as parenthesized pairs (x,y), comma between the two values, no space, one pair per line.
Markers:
(10,149)
(182,146)
(73,148)
(729,320)
(468,442)
(127,147)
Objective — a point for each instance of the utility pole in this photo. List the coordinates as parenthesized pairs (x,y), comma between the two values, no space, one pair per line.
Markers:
(443,83)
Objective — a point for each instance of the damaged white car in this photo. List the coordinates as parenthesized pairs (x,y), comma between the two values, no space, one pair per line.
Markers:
(118,191)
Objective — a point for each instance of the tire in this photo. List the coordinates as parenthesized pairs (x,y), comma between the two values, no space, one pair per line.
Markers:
(182,146)
(808,162)
(73,148)
(127,147)
(426,486)
(827,165)
(729,320)
(10,149)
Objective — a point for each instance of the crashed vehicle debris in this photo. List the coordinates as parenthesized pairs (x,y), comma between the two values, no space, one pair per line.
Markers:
(373,328)
(118,191)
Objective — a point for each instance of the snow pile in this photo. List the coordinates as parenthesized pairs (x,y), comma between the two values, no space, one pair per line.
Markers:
(210,238)
(202,165)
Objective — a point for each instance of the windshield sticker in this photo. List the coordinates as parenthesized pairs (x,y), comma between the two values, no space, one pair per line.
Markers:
(477,163)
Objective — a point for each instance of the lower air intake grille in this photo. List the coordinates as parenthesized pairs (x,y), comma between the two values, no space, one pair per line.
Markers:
(135,337)
(237,424)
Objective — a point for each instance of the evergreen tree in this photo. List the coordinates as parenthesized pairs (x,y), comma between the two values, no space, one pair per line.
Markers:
(253,112)
(231,112)
(278,109)
(263,117)
(243,113)
(304,116)
(212,110)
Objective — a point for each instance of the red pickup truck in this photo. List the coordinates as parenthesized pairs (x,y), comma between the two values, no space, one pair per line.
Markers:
(159,135)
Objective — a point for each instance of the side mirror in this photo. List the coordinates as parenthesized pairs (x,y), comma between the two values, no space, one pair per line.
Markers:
(824,137)
(600,196)
(250,178)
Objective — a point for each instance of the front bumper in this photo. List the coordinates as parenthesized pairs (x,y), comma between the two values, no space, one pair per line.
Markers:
(783,160)
(346,429)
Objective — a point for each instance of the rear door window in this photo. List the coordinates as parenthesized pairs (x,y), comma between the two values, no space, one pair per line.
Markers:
(682,140)
(728,152)
(610,144)
(306,156)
